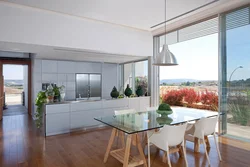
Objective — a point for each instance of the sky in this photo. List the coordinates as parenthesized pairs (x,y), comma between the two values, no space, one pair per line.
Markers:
(197,58)
(13,72)
(238,52)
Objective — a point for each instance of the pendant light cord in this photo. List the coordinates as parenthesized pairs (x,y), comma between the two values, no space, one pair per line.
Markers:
(165,22)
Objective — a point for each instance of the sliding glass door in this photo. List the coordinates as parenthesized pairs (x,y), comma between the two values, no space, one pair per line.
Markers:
(235,71)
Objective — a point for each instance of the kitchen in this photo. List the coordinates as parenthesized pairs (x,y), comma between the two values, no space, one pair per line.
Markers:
(87,93)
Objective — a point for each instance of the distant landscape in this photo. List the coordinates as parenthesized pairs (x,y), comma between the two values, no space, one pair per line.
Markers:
(189,82)
(8,82)
(13,86)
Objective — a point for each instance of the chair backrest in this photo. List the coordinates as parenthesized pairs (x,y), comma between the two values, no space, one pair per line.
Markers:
(174,135)
(127,111)
(205,126)
(151,108)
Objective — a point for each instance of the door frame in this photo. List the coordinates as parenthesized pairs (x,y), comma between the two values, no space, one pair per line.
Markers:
(21,62)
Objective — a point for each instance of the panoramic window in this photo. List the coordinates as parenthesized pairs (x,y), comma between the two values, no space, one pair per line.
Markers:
(141,76)
(194,82)
(237,74)
(136,76)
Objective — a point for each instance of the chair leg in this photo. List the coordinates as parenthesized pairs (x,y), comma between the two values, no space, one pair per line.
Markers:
(149,153)
(217,147)
(169,163)
(184,153)
(205,147)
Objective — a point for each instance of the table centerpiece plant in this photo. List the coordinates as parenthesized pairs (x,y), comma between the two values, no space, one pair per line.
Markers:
(165,110)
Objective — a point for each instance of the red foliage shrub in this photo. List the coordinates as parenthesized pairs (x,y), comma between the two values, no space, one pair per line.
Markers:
(173,97)
(180,97)
(191,96)
(209,98)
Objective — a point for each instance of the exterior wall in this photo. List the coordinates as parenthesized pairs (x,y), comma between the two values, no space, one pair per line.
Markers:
(63,73)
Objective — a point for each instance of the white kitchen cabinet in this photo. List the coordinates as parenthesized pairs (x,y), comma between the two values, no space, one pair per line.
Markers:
(84,119)
(66,67)
(49,78)
(63,118)
(57,109)
(88,67)
(144,103)
(115,103)
(134,103)
(57,123)
(140,103)
(82,106)
(49,66)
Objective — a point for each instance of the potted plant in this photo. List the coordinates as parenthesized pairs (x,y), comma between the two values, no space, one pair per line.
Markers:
(128,91)
(56,90)
(40,100)
(114,93)
(50,94)
(164,109)
(139,91)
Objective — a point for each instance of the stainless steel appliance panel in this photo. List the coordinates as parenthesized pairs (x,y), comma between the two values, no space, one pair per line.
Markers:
(82,85)
(95,85)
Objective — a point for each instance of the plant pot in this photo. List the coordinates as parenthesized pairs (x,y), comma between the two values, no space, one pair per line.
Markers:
(139,91)
(56,98)
(114,93)
(128,91)
(50,99)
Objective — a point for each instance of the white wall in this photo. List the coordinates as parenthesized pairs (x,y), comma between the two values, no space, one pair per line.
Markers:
(20,24)
(63,73)
(110,77)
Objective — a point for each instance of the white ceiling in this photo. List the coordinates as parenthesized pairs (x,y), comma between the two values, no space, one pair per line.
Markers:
(52,53)
(141,14)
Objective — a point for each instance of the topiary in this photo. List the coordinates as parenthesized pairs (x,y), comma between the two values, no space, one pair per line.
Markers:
(128,91)
(164,109)
(114,93)
(139,91)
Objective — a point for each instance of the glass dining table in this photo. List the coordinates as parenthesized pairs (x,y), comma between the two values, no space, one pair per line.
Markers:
(134,123)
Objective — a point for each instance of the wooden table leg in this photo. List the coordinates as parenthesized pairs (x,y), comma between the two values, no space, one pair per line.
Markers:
(138,141)
(111,140)
(122,138)
(207,141)
(196,144)
(180,150)
(127,151)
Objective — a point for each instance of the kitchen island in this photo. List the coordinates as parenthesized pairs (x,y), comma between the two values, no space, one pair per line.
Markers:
(68,116)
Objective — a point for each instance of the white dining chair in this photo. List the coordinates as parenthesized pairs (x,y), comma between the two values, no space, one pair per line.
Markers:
(168,136)
(204,127)
(126,111)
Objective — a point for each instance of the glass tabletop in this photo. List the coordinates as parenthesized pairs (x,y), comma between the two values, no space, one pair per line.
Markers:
(143,121)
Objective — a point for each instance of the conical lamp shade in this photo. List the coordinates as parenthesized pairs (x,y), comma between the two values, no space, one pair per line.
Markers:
(165,58)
